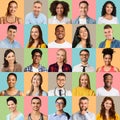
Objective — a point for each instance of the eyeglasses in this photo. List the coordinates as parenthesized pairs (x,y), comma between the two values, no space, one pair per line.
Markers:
(84,54)
(59,103)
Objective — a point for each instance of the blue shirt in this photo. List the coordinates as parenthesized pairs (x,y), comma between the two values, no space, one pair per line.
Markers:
(7,44)
(31,19)
(58,117)
(19,117)
(114,44)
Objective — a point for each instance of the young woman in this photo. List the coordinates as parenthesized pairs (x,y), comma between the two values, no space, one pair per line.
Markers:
(107,57)
(11,91)
(36,86)
(81,38)
(84,88)
(60,65)
(107,111)
(36,38)
(15,114)
(108,15)
(10,17)
(10,64)
(59,11)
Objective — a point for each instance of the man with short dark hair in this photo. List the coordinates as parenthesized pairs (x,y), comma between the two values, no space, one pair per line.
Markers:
(110,41)
(35,66)
(84,18)
(83,114)
(9,41)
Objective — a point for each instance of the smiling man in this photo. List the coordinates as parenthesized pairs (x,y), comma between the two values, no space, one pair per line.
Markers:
(83,17)
(107,90)
(110,41)
(36,17)
(9,41)
(60,42)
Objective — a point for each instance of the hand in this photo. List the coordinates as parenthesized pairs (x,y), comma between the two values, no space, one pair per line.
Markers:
(83,112)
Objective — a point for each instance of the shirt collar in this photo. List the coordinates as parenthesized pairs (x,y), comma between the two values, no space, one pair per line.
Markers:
(87,65)
(55,114)
(7,40)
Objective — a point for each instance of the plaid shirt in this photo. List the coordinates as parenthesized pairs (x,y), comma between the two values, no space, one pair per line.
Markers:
(40,69)
(65,68)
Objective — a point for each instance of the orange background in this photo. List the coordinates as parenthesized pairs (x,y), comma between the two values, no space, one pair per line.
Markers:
(20,9)
(68,33)
(27,81)
(91,106)
(115,60)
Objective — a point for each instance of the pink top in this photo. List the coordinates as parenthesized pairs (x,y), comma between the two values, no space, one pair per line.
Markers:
(112,69)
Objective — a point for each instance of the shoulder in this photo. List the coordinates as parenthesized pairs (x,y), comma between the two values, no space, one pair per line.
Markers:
(75,114)
(45,117)
(18,65)
(52,65)
(101,45)
(68,44)
(98,116)
(51,92)
(29,14)
(50,20)
(91,20)
(27,92)
(117,116)
(2,93)
(43,45)
(19,20)
(116,69)
(52,44)
(44,93)
(98,69)
(21,93)
(42,15)
(76,21)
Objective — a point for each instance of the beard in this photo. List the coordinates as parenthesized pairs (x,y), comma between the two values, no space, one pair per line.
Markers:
(81,109)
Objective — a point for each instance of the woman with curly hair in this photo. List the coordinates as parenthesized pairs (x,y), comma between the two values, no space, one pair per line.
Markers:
(107,57)
(107,111)
(59,11)
(81,38)
(108,15)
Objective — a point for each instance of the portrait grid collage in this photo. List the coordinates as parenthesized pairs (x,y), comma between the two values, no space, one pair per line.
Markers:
(60,60)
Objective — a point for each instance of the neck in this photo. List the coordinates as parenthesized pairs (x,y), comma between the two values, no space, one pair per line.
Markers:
(59,41)
(11,64)
(59,112)
(11,88)
(14,112)
(107,88)
(36,88)
(11,40)
(84,63)
(36,65)
(59,16)
(109,65)
(83,16)
(35,112)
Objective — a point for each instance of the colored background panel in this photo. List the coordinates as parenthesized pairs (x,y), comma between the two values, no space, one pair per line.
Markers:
(18,54)
(92,30)
(28,107)
(28,57)
(116,80)
(91,107)
(76,57)
(116,102)
(100,33)
(52,55)
(99,5)
(70,7)
(52,108)
(28,77)
(27,29)
(19,84)
(19,34)
(115,62)
(76,76)
(28,7)
(5,111)
(91,9)
(68,33)
(19,12)
(52,80)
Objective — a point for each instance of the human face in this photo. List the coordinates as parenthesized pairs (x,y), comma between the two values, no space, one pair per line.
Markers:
(37,9)
(36,58)
(10,58)
(109,9)
(11,105)
(59,9)
(12,8)
(35,33)
(83,34)
(60,33)
(108,33)
(60,56)
(108,104)
(84,56)
(36,81)
(108,81)
(107,59)
(60,105)
(35,104)
(83,104)
(84,81)
(11,33)
(83,9)
(61,80)
(11,81)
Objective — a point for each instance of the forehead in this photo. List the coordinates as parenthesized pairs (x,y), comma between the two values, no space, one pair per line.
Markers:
(11,29)
(109,4)
(60,28)
(60,76)
(61,51)
(84,101)
(11,76)
(108,29)
(83,5)
(84,52)
(60,100)
(37,4)
(37,53)
(36,101)
(108,77)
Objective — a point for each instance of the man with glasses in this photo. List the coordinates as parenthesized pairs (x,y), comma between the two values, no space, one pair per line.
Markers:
(83,66)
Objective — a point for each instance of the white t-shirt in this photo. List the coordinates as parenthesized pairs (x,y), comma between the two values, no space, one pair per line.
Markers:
(82,20)
(103,92)
(57,45)
(35,69)
(103,20)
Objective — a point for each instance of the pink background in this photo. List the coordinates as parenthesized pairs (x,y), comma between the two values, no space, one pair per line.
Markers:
(19,35)
(116,79)
(52,55)
(27,105)
(91,9)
